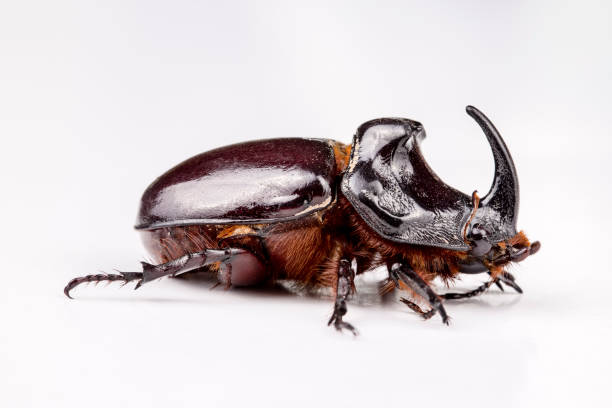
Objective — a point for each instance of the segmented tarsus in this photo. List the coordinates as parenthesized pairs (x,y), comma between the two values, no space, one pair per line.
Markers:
(102,277)
(470,294)
(416,308)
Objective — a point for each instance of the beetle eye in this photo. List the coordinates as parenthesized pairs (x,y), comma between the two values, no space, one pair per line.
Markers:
(478,232)
(478,236)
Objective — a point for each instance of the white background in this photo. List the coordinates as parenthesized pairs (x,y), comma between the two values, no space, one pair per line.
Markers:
(99,98)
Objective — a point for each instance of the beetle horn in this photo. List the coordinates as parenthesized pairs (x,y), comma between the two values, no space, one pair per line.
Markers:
(502,200)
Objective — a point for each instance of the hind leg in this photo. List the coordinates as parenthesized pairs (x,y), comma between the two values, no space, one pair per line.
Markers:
(238,267)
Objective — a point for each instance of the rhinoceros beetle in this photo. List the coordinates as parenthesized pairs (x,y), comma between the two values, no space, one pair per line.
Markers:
(317,212)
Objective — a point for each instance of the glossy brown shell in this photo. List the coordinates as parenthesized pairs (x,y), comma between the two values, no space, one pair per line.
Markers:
(254,182)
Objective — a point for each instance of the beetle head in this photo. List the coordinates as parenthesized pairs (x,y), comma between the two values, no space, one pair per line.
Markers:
(488,255)
(393,189)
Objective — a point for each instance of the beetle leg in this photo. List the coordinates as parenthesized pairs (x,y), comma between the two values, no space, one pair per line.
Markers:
(344,287)
(479,290)
(499,285)
(416,308)
(405,274)
(186,263)
(124,277)
(150,272)
(508,279)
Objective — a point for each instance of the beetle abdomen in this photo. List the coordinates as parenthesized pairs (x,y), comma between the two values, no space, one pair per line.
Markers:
(261,181)
(172,243)
(167,244)
(290,251)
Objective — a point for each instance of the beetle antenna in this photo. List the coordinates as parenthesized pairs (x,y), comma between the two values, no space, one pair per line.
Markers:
(475,203)
(101,277)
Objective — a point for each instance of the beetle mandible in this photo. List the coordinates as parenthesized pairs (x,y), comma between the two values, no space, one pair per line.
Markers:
(318,212)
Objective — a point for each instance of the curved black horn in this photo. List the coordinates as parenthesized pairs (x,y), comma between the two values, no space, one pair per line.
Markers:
(503,197)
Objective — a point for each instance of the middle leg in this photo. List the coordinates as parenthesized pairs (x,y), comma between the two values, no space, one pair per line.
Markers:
(344,287)
(404,273)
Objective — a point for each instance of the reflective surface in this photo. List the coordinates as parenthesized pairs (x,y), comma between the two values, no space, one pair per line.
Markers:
(499,208)
(399,196)
(396,193)
(264,180)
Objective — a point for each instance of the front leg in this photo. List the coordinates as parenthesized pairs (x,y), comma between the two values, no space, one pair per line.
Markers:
(405,274)
(343,288)
(506,277)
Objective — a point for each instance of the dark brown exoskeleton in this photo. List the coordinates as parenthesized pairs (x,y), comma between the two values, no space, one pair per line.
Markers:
(307,210)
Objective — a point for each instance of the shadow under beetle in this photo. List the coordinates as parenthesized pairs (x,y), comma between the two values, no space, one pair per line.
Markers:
(318,212)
